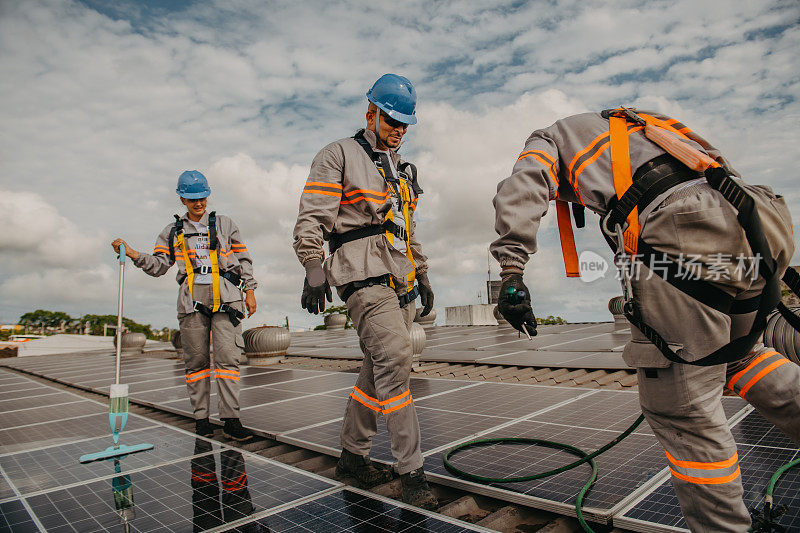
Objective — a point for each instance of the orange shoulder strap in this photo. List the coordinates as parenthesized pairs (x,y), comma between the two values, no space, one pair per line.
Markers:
(623,178)
(567,239)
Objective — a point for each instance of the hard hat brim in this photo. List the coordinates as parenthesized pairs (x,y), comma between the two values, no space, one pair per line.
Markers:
(194,195)
(400,117)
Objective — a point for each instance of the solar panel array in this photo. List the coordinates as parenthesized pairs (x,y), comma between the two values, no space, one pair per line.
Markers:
(596,345)
(305,408)
(186,483)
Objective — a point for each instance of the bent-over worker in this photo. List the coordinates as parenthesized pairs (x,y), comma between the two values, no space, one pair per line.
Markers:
(692,335)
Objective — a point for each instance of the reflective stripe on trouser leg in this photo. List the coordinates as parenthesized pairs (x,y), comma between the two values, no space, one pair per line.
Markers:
(195,341)
(226,364)
(771,383)
(682,405)
(383,330)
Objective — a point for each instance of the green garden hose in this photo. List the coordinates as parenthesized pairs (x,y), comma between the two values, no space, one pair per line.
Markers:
(766,522)
(584,458)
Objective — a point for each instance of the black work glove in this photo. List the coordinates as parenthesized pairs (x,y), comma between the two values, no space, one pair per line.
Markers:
(515,303)
(425,293)
(315,288)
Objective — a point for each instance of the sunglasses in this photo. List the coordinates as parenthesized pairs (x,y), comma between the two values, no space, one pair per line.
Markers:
(392,123)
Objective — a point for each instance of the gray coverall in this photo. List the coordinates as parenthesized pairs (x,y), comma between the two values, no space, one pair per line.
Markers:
(345,191)
(681,402)
(196,327)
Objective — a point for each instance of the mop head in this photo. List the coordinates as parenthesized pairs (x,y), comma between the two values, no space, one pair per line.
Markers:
(117,417)
(115,451)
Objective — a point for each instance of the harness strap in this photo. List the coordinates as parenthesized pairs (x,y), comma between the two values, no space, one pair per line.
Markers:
(227,274)
(234,315)
(623,179)
(399,189)
(187,262)
(213,244)
(213,255)
(386,279)
(750,222)
(671,272)
(652,179)
(336,240)
(567,237)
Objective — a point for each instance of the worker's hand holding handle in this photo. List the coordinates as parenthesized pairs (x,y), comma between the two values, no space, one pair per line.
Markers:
(126,250)
(425,293)
(250,302)
(515,304)
(315,288)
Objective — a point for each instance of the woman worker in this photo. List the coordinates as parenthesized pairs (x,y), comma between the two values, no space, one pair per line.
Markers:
(214,270)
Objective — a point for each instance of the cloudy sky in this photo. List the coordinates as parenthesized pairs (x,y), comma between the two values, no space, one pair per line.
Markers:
(105,102)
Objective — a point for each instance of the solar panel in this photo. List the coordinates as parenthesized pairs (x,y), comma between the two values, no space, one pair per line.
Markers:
(292,414)
(306,407)
(15,517)
(52,413)
(277,377)
(6,491)
(61,431)
(208,490)
(568,346)
(502,400)
(47,398)
(31,388)
(56,466)
(351,510)
(622,469)
(317,384)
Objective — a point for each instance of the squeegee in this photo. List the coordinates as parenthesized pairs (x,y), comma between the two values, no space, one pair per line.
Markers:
(118,393)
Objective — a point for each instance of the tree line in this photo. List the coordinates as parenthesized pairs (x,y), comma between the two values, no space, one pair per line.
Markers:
(60,322)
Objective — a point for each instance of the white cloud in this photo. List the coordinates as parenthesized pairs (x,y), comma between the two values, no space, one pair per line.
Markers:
(102,111)
(36,235)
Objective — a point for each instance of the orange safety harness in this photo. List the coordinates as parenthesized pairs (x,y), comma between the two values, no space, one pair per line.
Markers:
(399,188)
(621,228)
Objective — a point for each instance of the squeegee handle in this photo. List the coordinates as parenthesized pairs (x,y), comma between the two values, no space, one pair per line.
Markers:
(119,312)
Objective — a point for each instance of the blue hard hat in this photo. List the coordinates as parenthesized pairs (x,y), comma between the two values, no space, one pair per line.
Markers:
(395,96)
(193,185)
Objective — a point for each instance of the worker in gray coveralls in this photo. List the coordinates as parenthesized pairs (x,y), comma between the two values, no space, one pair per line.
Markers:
(214,269)
(361,196)
(667,216)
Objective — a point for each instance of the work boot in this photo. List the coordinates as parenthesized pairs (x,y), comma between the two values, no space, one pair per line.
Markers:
(204,428)
(364,471)
(416,491)
(233,429)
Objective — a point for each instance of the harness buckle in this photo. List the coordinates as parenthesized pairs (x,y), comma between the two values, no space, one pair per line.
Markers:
(204,269)
(623,261)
